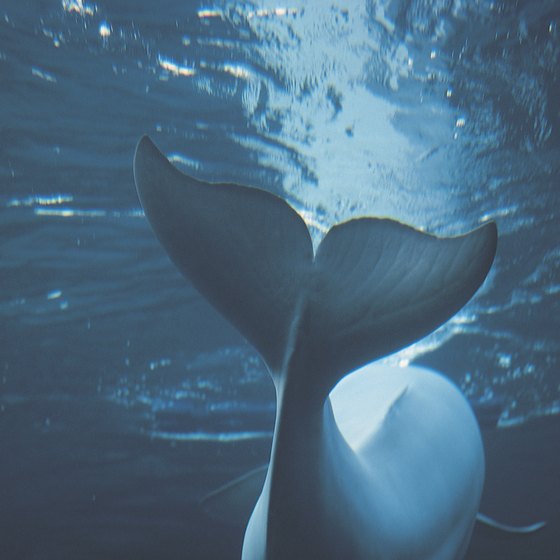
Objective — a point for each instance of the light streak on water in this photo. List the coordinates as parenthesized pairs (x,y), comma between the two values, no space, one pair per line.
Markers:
(222,437)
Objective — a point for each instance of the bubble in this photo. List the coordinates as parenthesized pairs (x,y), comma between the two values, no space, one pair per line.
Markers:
(104,30)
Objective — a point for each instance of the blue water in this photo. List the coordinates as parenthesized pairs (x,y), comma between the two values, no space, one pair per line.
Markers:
(123,396)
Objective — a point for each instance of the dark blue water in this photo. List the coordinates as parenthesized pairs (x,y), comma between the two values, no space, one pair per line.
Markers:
(124,397)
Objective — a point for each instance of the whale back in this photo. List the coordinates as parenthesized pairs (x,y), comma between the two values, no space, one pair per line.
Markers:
(421,457)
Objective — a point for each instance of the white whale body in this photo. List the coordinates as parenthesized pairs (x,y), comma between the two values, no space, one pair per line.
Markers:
(390,465)
(370,393)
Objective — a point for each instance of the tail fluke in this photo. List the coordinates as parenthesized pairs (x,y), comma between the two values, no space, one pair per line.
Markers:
(244,249)
(381,285)
(374,286)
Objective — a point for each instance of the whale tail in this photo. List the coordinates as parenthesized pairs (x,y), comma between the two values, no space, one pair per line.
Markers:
(373,286)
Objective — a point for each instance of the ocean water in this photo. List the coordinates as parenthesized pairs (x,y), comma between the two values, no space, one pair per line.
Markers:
(124,397)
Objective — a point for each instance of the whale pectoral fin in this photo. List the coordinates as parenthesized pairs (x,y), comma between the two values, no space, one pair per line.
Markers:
(243,248)
(234,502)
(381,285)
(514,529)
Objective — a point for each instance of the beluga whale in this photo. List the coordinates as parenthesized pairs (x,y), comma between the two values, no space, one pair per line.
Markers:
(367,462)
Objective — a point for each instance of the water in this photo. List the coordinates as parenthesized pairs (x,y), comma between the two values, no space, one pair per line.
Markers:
(123,396)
